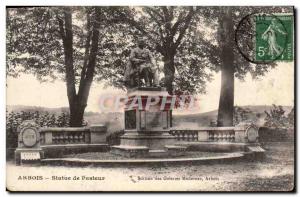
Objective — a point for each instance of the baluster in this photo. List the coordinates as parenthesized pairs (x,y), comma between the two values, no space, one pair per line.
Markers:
(215,137)
(53,138)
(193,135)
(212,136)
(56,139)
(70,138)
(81,137)
(232,137)
(65,138)
(75,138)
(226,137)
(61,138)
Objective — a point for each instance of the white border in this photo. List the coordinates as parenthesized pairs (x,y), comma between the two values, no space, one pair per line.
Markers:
(4,3)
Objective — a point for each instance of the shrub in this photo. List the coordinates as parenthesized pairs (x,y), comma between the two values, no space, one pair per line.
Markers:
(276,118)
(14,119)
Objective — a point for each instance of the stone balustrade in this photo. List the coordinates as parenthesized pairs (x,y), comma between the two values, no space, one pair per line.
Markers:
(239,133)
(77,135)
(64,136)
(35,143)
(185,135)
(55,142)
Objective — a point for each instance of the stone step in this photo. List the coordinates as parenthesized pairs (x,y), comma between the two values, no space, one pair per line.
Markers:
(256,149)
(158,153)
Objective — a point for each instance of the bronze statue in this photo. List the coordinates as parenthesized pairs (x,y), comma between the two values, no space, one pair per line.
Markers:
(141,66)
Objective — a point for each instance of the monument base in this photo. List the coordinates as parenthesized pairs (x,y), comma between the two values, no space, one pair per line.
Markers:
(148,119)
(154,141)
(148,145)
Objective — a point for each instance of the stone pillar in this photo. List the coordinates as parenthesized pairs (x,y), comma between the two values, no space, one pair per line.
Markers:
(98,134)
(28,143)
(48,138)
(203,136)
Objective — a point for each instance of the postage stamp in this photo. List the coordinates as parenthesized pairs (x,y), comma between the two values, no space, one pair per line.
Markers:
(264,38)
(274,37)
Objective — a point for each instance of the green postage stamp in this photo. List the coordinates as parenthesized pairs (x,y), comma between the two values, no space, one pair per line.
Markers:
(274,37)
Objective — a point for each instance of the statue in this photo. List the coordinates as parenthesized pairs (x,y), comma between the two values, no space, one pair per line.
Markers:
(141,66)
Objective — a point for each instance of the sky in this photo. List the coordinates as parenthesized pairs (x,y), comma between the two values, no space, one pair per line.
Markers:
(277,87)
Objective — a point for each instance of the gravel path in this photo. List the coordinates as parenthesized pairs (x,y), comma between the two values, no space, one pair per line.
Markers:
(274,173)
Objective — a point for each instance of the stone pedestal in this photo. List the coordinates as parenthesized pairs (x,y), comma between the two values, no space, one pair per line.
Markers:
(148,118)
(28,143)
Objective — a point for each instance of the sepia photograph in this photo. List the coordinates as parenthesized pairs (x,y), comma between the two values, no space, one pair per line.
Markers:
(150,98)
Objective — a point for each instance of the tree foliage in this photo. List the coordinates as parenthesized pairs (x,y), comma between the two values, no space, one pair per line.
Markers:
(277,118)
(173,36)
(59,42)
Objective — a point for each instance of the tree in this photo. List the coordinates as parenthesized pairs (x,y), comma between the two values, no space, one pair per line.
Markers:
(225,55)
(211,45)
(172,32)
(56,41)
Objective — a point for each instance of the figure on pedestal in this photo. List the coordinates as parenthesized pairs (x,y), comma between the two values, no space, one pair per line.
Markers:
(147,123)
(141,68)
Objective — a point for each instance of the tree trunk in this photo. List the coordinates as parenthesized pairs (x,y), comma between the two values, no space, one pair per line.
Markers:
(78,102)
(76,113)
(226,101)
(169,71)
